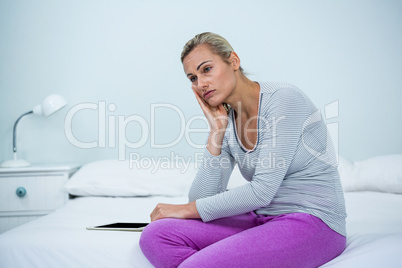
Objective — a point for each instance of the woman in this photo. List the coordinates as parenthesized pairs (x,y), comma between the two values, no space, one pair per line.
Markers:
(290,214)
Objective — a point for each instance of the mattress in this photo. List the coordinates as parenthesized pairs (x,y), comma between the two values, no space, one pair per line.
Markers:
(60,239)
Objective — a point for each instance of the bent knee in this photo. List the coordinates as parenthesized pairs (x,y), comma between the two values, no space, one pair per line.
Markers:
(156,231)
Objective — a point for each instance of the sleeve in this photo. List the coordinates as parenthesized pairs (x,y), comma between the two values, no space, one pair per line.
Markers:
(284,116)
(213,175)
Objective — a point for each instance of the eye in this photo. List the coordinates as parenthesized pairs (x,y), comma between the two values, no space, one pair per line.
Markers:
(193,78)
(207,69)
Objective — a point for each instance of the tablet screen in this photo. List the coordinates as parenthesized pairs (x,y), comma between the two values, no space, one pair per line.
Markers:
(123,225)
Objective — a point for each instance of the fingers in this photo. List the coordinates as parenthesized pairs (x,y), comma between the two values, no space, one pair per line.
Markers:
(155,217)
(158,212)
(152,215)
(205,107)
(155,213)
(201,102)
(209,110)
(167,211)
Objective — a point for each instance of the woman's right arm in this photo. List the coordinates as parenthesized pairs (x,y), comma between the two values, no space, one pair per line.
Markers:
(213,175)
(217,165)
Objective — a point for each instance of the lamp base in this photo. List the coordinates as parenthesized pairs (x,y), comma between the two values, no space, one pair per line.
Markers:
(15,163)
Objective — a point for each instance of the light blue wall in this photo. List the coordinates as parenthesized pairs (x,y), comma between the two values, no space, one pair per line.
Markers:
(127,53)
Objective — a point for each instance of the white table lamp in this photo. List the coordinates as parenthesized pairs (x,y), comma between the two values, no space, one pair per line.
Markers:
(50,105)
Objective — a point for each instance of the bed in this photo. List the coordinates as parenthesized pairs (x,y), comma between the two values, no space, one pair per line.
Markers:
(108,193)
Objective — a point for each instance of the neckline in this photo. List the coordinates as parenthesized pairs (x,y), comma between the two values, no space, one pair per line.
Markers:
(258,125)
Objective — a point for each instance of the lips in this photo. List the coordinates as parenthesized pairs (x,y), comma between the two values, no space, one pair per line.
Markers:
(208,93)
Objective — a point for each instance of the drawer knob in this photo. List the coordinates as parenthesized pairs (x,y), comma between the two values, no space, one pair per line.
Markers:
(21,191)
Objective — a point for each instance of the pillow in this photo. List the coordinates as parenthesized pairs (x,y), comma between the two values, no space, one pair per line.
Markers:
(345,169)
(117,178)
(381,174)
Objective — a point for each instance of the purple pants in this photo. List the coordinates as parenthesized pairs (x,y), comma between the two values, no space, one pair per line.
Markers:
(247,240)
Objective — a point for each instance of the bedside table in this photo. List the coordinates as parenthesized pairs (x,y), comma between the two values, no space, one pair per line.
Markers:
(30,192)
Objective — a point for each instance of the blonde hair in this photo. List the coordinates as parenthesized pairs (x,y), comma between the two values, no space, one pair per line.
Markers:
(218,45)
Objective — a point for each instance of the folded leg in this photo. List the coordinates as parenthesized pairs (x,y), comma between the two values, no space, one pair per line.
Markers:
(288,240)
(168,242)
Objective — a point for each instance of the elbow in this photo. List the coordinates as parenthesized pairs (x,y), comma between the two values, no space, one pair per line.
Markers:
(192,196)
(191,199)
(195,195)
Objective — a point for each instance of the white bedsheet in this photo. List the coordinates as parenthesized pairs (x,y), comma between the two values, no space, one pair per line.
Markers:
(374,230)
(60,239)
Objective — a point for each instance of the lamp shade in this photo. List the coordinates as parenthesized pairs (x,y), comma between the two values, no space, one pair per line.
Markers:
(50,105)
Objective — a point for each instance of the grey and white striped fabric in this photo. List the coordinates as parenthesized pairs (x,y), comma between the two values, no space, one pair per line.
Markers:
(292,167)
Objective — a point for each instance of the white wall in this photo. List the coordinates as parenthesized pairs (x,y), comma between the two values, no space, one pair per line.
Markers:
(127,53)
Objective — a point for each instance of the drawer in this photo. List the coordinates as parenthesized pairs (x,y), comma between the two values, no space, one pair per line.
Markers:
(42,193)
(7,223)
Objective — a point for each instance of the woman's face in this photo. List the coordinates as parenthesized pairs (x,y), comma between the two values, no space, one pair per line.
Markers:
(211,78)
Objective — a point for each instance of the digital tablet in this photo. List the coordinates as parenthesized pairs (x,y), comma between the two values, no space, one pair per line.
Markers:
(120,226)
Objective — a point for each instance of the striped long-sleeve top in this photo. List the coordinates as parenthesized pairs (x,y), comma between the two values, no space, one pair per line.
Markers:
(292,167)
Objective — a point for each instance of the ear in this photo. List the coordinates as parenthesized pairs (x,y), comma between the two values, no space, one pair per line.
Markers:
(234,60)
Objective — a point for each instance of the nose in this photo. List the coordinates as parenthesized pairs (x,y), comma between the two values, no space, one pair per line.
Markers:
(202,84)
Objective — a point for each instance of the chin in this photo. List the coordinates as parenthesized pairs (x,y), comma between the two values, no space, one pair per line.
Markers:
(213,102)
